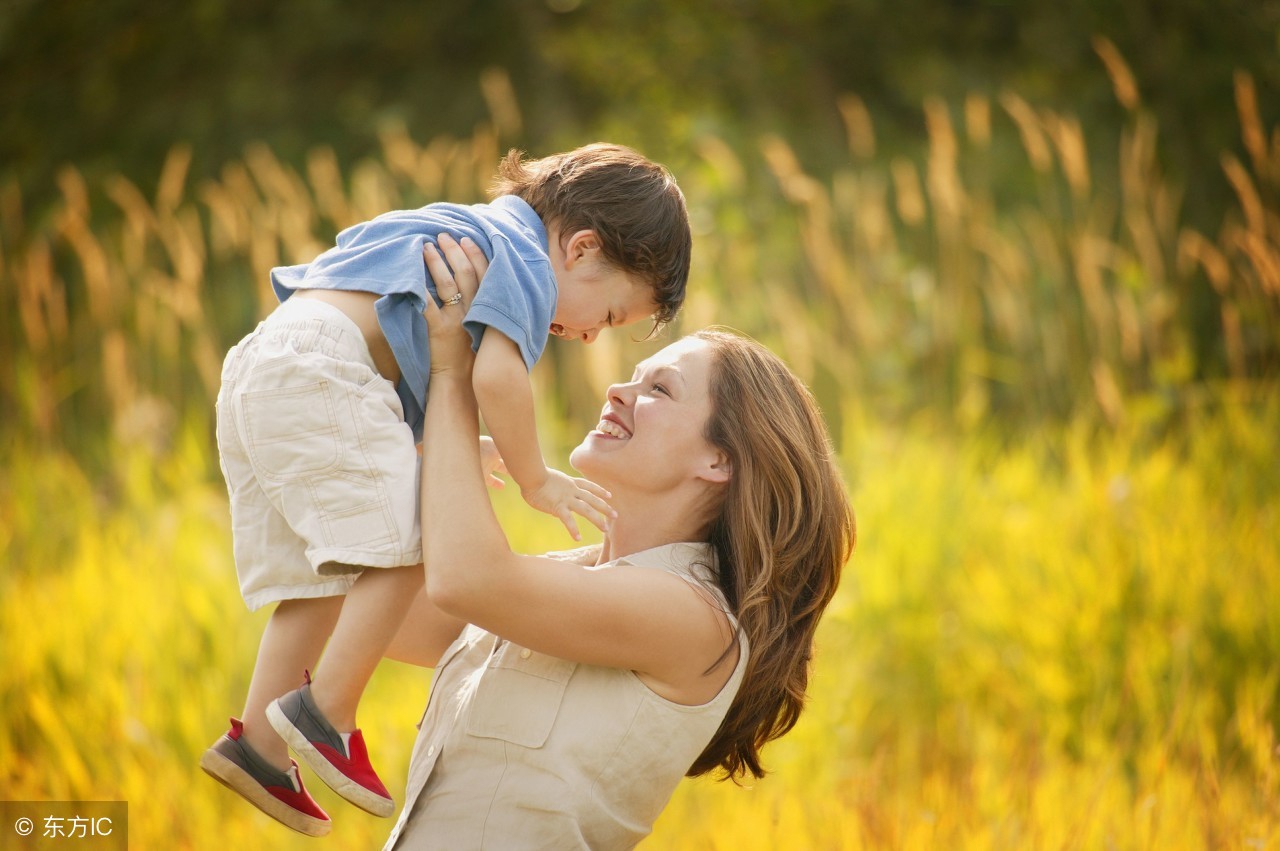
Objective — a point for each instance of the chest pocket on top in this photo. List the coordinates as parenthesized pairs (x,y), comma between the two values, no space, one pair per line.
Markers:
(519,696)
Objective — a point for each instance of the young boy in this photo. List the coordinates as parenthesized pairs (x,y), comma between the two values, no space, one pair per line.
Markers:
(321,407)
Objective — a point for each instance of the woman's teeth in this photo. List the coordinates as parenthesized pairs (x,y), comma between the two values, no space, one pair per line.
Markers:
(612,429)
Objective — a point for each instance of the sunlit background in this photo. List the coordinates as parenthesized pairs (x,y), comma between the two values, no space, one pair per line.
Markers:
(1026,254)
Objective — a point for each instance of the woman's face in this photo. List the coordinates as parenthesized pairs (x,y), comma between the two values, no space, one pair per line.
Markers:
(650,432)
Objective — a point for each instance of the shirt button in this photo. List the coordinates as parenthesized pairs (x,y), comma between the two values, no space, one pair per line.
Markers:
(526,653)
(431,750)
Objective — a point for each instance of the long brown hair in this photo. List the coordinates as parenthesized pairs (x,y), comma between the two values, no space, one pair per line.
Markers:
(632,203)
(782,536)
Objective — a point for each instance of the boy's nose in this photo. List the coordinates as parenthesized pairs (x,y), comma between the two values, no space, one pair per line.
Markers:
(590,336)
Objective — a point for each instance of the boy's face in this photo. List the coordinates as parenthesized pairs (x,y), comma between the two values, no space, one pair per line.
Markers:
(592,294)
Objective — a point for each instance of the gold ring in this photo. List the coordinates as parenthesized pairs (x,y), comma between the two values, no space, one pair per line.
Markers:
(456,298)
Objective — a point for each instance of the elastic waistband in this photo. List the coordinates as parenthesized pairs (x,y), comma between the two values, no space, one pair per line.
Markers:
(318,325)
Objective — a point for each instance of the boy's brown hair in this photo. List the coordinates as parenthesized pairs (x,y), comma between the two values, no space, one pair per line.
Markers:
(632,203)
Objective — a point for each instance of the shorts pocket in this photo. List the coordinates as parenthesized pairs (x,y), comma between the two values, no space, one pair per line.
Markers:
(292,432)
(519,696)
(353,509)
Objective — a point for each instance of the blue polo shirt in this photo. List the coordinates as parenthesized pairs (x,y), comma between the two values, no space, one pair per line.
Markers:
(384,256)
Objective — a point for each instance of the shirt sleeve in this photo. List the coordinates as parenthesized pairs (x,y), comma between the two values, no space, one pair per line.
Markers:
(517,298)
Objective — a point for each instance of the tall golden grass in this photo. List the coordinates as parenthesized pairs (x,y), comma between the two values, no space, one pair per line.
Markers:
(1060,629)
(1067,643)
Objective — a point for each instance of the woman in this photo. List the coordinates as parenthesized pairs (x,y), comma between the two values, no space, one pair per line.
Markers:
(583,687)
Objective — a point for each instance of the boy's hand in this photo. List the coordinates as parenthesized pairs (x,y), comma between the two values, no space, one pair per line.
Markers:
(562,496)
(491,463)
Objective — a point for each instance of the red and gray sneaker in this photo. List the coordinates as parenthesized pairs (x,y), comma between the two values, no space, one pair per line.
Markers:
(341,762)
(279,794)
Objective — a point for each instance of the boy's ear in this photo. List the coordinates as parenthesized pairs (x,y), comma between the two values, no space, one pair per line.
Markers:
(580,244)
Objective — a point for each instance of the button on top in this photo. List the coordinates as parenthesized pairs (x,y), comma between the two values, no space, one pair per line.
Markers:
(526,653)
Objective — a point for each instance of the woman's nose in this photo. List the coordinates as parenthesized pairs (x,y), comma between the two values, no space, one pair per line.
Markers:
(617,395)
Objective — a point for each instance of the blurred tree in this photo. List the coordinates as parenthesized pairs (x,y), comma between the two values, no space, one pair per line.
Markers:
(114,83)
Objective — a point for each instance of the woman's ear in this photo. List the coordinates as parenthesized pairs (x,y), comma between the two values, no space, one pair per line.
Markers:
(580,245)
(719,470)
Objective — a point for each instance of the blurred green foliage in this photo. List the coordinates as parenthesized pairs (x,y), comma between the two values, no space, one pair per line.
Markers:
(112,85)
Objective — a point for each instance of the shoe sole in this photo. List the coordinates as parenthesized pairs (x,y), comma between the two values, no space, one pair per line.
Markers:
(349,789)
(242,783)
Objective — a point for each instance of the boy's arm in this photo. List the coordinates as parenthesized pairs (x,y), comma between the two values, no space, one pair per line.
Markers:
(502,390)
(505,398)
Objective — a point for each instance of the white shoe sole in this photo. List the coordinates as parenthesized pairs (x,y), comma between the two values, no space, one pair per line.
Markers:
(349,789)
(242,783)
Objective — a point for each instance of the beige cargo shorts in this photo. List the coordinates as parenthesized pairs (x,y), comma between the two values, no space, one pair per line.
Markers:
(321,469)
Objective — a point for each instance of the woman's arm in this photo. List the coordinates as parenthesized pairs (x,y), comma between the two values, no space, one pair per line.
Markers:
(635,618)
(424,634)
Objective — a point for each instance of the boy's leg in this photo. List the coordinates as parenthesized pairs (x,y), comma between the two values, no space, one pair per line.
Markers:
(371,615)
(318,719)
(291,643)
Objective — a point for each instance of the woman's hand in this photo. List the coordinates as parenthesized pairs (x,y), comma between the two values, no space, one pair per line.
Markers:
(449,340)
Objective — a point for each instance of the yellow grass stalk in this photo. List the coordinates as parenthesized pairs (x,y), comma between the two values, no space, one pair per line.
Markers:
(1262,255)
(858,126)
(1251,130)
(140,222)
(1029,129)
(42,302)
(373,192)
(862,199)
(1251,203)
(118,372)
(1122,79)
(946,194)
(326,187)
(484,161)
(398,150)
(173,178)
(1139,175)
(1233,338)
(228,220)
(432,164)
(1195,250)
(1004,279)
(500,98)
(1091,255)
(1068,137)
(977,119)
(74,229)
(907,193)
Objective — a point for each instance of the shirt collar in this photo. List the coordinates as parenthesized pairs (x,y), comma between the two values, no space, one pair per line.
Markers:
(523,213)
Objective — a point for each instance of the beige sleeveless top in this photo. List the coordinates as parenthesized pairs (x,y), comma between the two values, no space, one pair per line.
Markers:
(520,750)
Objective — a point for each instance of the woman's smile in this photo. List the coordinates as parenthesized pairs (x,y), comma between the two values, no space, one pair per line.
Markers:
(611,427)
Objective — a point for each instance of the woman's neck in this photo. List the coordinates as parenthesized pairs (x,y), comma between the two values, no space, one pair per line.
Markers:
(643,523)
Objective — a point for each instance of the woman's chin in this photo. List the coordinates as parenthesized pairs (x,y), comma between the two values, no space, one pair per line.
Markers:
(586,458)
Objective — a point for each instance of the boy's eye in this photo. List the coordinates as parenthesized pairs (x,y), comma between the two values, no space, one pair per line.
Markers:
(658,388)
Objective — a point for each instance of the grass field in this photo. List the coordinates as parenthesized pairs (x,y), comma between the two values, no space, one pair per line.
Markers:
(1063,643)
